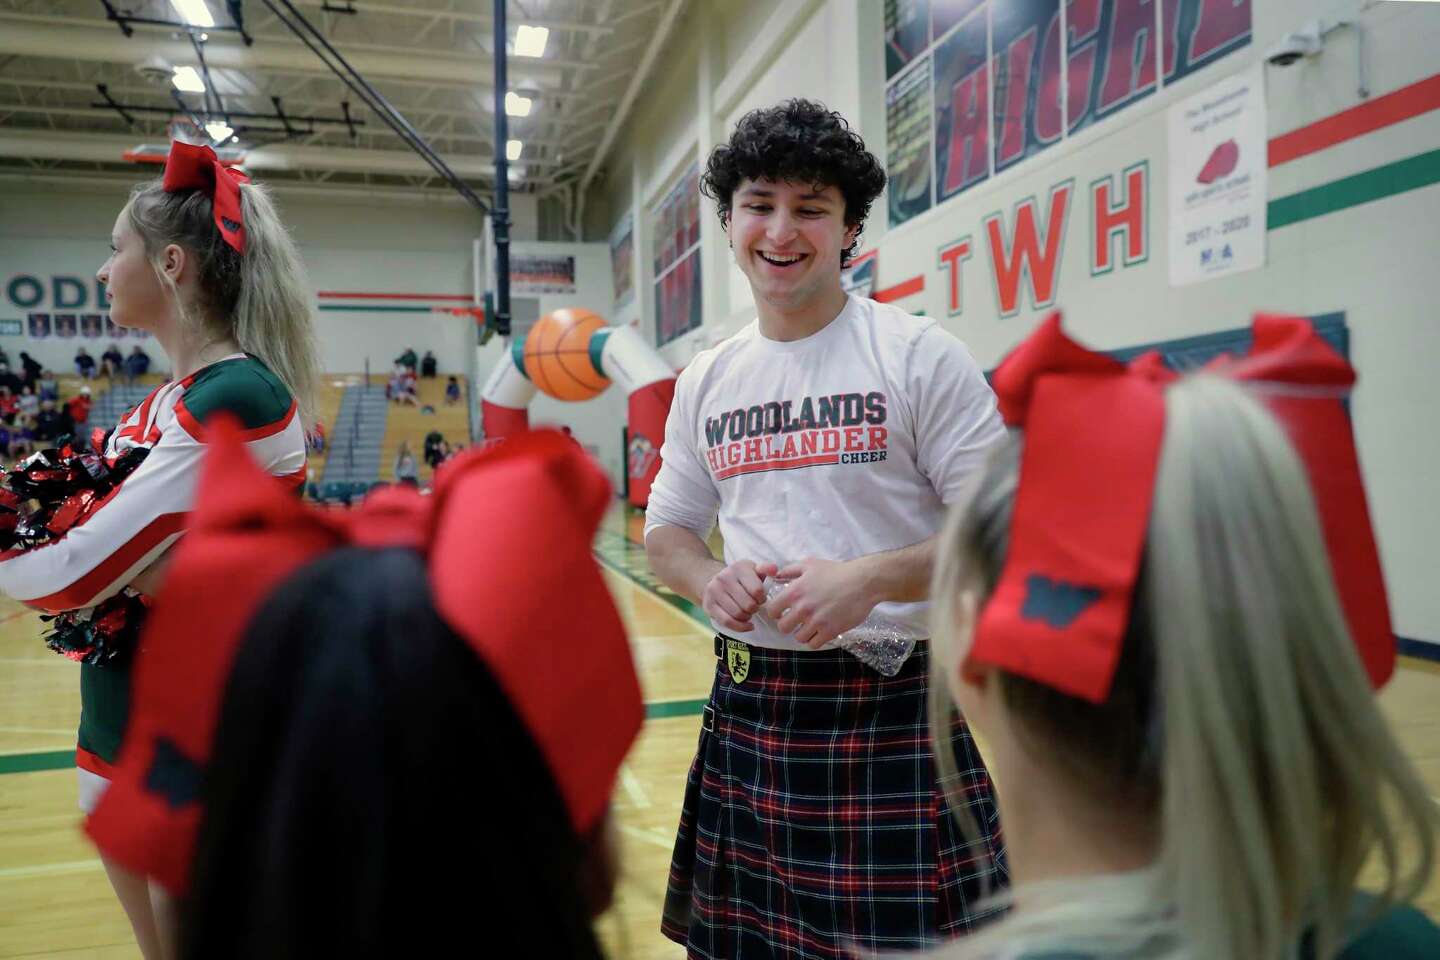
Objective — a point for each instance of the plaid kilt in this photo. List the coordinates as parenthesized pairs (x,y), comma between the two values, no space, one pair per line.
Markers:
(813,821)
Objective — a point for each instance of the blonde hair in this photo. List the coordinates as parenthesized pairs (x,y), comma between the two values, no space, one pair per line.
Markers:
(259,299)
(1241,719)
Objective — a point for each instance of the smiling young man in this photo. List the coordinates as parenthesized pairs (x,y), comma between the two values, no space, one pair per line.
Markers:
(828,436)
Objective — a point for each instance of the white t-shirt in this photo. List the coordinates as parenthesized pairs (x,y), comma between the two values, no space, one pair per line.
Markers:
(849,442)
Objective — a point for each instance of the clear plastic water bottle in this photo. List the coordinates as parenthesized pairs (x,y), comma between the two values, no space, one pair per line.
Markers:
(880,644)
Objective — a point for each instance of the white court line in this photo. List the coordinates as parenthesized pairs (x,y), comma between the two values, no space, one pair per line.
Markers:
(633,787)
(52,869)
(58,733)
(652,836)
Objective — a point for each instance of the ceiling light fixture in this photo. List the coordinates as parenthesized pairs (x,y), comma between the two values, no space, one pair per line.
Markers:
(529,41)
(188,80)
(516,105)
(194,11)
(219,131)
(513,149)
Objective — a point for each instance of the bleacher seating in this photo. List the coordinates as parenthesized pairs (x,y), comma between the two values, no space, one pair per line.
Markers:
(109,399)
(333,476)
(408,424)
(354,438)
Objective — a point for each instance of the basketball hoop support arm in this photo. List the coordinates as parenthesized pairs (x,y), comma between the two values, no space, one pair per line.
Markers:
(305,31)
(500,213)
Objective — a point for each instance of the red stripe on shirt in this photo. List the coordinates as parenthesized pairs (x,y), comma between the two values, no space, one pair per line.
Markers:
(196,429)
(135,431)
(82,592)
(765,466)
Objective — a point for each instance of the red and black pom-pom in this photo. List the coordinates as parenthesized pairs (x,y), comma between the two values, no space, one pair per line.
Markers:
(42,498)
(103,634)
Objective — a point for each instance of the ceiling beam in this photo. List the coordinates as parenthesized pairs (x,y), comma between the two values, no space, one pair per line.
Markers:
(642,73)
(569,26)
(68,179)
(59,22)
(110,148)
(18,35)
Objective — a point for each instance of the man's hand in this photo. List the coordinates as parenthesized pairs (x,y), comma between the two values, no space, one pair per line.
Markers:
(733,595)
(824,599)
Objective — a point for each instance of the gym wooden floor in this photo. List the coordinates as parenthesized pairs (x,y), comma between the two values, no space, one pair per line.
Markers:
(54,898)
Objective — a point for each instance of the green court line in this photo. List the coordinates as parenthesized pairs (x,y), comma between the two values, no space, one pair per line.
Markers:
(663,709)
(37,762)
(614,550)
(627,558)
(1401,176)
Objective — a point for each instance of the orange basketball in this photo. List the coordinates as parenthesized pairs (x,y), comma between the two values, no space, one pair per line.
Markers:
(557,355)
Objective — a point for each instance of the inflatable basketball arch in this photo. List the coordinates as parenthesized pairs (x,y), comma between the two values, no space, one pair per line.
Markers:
(573,355)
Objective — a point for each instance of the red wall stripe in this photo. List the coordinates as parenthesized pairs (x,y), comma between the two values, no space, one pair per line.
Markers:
(353,295)
(902,289)
(1402,104)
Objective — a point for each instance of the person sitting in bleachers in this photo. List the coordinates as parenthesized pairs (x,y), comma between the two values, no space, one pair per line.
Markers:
(406,469)
(137,364)
(47,423)
(78,408)
(112,361)
(49,387)
(452,392)
(404,389)
(30,367)
(317,437)
(84,364)
(29,402)
(22,442)
(432,447)
(407,359)
(427,365)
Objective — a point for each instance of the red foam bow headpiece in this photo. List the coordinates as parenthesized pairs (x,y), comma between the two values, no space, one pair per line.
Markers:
(506,537)
(1093,432)
(193,167)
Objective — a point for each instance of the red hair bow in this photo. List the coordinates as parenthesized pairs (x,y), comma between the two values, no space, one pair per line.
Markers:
(506,537)
(194,167)
(1093,432)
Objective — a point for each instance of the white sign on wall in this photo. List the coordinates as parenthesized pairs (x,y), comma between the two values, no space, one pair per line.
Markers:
(1218,162)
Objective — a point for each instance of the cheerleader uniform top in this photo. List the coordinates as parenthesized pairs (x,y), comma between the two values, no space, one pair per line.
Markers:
(139,520)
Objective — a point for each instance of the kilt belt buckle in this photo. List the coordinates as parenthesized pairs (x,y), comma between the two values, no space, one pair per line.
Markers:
(707,719)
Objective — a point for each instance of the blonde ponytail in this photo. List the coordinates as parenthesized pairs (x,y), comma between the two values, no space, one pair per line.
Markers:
(1251,734)
(1280,773)
(273,319)
(259,298)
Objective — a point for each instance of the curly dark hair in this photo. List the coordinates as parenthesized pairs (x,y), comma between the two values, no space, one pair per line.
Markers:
(803,142)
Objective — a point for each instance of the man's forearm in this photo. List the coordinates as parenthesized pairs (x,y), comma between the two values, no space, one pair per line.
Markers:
(899,575)
(681,560)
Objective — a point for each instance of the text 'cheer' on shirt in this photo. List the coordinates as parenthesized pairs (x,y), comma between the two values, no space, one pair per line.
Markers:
(849,442)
